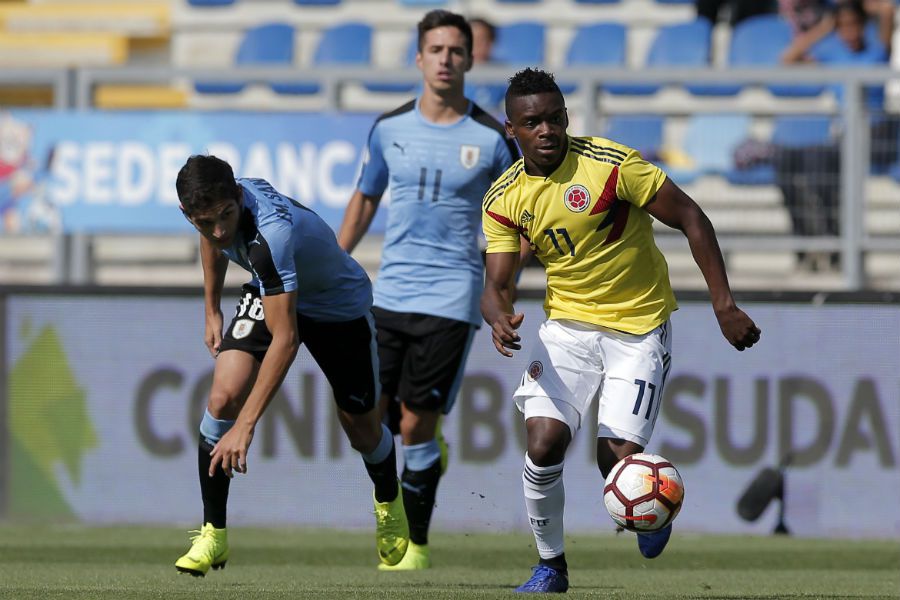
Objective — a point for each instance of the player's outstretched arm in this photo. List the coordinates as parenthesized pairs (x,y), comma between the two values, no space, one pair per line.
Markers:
(679,211)
(215,265)
(496,301)
(357,219)
(281,319)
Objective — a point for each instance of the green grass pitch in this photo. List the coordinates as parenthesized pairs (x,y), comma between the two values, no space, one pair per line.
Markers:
(123,563)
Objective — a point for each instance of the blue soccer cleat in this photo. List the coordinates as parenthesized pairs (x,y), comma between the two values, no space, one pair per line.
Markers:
(651,545)
(545,580)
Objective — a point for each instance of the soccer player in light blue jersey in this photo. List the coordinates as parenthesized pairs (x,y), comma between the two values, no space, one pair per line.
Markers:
(438,154)
(304,290)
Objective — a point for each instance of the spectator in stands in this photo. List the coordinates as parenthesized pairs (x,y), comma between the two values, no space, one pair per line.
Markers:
(810,177)
(439,154)
(304,290)
(738,10)
(484,33)
(805,15)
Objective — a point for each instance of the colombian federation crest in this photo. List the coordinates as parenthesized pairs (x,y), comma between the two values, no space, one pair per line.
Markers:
(535,370)
(469,155)
(577,198)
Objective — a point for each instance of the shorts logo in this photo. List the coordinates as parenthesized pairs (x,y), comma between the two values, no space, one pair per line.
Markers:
(241,329)
(577,198)
(535,370)
(468,155)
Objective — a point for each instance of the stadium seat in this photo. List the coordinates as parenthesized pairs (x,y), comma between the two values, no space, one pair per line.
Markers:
(710,140)
(760,41)
(519,44)
(641,132)
(598,44)
(794,131)
(707,147)
(676,45)
(269,44)
(345,45)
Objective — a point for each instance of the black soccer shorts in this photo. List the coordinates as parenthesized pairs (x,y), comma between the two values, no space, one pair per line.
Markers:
(422,357)
(344,350)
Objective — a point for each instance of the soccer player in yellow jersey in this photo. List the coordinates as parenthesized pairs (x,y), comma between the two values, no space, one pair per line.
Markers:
(586,206)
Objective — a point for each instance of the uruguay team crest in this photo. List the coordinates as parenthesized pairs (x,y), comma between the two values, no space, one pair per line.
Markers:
(577,198)
(242,329)
(469,155)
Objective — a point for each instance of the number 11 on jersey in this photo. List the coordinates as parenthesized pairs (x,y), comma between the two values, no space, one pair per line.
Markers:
(564,235)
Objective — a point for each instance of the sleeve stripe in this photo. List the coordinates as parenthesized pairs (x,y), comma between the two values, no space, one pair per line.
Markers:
(503,220)
(598,155)
(511,173)
(497,191)
(589,145)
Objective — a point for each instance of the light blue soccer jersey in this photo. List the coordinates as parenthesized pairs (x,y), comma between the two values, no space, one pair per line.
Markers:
(438,174)
(288,247)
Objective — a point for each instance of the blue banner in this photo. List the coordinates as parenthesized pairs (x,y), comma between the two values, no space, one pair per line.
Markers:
(96,172)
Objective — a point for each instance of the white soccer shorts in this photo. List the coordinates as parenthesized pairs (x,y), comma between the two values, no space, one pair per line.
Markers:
(574,361)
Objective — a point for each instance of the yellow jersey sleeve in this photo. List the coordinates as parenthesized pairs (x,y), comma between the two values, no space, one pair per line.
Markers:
(639,180)
(497,218)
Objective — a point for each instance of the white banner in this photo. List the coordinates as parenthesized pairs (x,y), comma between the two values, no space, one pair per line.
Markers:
(105,396)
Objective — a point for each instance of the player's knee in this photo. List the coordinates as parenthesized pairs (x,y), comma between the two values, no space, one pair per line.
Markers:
(223,404)
(545,452)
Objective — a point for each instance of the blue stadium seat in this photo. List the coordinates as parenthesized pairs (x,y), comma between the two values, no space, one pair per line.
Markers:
(793,131)
(519,44)
(598,44)
(709,142)
(642,132)
(210,2)
(346,44)
(676,45)
(268,44)
(760,41)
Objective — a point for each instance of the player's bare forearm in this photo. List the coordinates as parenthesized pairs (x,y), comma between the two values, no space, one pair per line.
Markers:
(215,265)
(677,210)
(357,219)
(496,301)
(281,320)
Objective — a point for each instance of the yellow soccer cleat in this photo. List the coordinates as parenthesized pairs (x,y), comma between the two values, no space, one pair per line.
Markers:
(209,548)
(391,529)
(417,557)
(443,445)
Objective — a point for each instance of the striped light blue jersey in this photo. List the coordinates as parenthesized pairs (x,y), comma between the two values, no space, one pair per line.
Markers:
(288,247)
(438,175)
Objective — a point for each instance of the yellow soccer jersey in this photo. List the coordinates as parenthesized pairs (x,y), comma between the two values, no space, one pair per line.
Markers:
(586,225)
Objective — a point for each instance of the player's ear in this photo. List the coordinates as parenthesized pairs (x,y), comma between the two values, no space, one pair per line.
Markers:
(184,214)
(510,133)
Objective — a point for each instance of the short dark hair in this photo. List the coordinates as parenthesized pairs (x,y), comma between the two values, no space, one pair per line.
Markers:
(490,27)
(528,82)
(444,18)
(204,181)
(852,6)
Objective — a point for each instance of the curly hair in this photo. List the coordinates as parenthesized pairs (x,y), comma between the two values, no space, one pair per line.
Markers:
(528,82)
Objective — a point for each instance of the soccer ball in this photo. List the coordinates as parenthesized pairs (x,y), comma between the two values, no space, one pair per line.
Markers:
(643,492)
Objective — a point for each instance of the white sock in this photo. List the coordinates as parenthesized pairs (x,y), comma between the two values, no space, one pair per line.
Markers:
(545,500)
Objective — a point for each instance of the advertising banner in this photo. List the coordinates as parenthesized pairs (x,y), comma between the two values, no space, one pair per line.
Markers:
(101,172)
(105,394)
